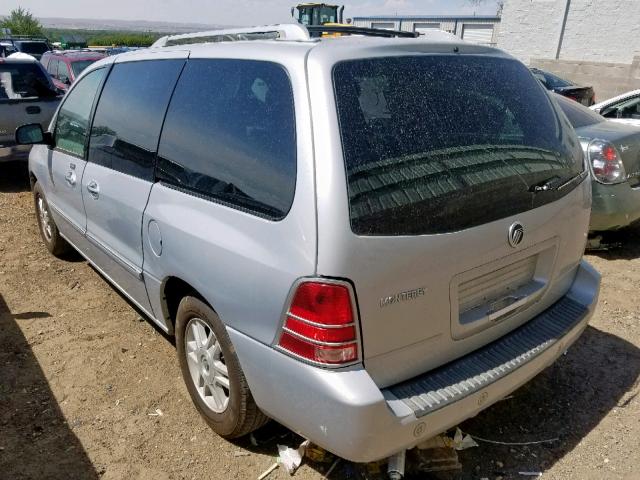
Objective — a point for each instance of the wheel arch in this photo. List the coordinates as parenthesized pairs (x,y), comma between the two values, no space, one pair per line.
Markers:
(174,289)
(32,179)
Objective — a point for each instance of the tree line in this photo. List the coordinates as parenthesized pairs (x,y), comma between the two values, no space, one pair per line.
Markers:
(22,22)
(103,37)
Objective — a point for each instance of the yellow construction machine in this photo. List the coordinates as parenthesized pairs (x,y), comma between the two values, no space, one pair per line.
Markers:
(320,14)
(326,20)
(312,14)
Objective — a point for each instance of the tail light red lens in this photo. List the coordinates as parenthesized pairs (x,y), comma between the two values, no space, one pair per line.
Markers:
(606,163)
(320,334)
(609,153)
(320,324)
(322,303)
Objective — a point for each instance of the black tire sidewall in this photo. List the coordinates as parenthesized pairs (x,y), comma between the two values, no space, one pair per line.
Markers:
(227,422)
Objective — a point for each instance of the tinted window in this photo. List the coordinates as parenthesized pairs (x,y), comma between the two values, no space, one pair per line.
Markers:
(230,135)
(37,48)
(129,115)
(72,123)
(578,115)
(63,72)
(79,66)
(629,108)
(23,80)
(434,144)
(52,67)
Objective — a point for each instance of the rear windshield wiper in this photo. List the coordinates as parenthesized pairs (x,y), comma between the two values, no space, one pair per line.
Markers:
(546,185)
(556,183)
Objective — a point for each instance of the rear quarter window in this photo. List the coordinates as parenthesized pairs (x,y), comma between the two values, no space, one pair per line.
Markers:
(229,135)
(434,144)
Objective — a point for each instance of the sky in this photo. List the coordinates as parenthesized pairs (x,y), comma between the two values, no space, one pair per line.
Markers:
(235,12)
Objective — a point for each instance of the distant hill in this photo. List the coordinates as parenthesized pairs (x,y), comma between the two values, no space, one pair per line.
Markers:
(124,25)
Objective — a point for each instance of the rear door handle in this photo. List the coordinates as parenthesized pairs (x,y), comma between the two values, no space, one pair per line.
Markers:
(93,188)
(33,110)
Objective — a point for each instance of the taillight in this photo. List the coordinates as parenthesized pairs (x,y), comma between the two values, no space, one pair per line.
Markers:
(320,324)
(605,161)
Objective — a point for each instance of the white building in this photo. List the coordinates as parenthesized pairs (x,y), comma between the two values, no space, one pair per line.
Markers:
(478,29)
(589,41)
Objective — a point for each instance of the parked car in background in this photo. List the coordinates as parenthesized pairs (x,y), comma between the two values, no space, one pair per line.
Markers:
(376,275)
(113,50)
(119,50)
(27,94)
(34,46)
(624,108)
(6,50)
(584,95)
(613,153)
(66,66)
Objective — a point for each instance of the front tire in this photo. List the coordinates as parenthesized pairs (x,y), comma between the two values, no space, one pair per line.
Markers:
(51,237)
(212,372)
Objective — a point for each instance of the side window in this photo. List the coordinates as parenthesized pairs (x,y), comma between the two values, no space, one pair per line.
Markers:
(625,109)
(72,123)
(128,119)
(52,67)
(632,109)
(63,72)
(229,135)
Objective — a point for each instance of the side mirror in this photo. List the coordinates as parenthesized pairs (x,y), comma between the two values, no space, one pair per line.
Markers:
(597,110)
(32,134)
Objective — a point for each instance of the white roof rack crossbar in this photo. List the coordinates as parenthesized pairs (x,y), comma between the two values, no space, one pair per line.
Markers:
(284,31)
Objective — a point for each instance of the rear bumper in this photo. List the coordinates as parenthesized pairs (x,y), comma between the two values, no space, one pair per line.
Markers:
(14,153)
(346,413)
(614,206)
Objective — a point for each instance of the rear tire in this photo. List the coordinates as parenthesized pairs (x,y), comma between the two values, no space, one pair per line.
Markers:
(48,229)
(212,372)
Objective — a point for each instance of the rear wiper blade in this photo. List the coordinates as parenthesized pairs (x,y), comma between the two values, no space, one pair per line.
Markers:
(546,185)
(557,183)
(580,176)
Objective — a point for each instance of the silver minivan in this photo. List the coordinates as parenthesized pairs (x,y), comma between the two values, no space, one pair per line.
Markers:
(368,240)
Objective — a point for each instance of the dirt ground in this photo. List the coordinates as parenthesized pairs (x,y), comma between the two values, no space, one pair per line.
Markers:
(81,372)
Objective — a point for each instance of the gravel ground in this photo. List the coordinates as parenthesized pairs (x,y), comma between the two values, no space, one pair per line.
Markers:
(81,373)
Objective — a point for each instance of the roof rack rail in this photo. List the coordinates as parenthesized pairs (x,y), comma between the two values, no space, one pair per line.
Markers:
(318,30)
(285,31)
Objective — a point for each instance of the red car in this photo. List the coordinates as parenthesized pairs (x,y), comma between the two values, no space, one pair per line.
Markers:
(66,66)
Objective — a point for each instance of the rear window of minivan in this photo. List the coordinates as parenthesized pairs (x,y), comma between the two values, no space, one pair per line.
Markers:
(439,143)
